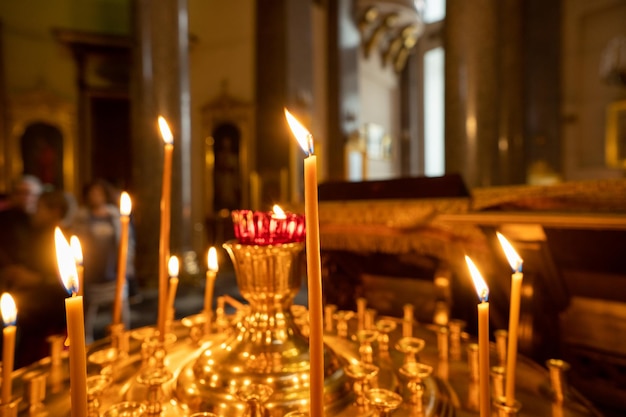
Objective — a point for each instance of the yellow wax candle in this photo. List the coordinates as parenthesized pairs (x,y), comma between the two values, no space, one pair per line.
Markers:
(164,236)
(75,326)
(314,269)
(211,273)
(125,208)
(483,339)
(516,287)
(77,251)
(172,267)
(9,315)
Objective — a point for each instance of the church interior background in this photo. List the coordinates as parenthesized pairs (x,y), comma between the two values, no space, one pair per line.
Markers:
(436,123)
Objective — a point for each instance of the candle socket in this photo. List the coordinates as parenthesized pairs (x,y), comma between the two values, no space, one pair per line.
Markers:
(361,305)
(442,342)
(329,312)
(120,338)
(501,337)
(384,327)
(407,320)
(497,381)
(35,391)
(456,329)
(10,409)
(472,361)
(197,325)
(504,410)
(221,321)
(557,369)
(56,349)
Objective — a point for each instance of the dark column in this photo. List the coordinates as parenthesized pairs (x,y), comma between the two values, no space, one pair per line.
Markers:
(283,77)
(161,87)
(542,40)
(511,152)
(5,181)
(343,88)
(410,123)
(483,93)
(471,99)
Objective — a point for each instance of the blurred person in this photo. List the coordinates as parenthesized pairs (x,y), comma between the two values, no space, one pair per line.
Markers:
(33,280)
(97,225)
(15,220)
(25,191)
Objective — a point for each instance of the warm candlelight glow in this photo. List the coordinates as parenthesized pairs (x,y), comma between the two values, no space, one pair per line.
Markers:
(166,133)
(514,309)
(8,308)
(278,212)
(173,266)
(212,260)
(9,315)
(314,269)
(75,318)
(302,135)
(77,250)
(479,283)
(483,338)
(511,255)
(125,204)
(66,262)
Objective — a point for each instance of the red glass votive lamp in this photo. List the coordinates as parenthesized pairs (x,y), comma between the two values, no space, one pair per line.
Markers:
(267,228)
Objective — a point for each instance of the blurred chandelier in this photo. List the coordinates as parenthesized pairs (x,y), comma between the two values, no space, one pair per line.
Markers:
(390,27)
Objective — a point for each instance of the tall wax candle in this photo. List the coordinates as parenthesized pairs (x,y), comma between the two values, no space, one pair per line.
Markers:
(172,268)
(125,208)
(211,273)
(77,251)
(9,316)
(483,339)
(516,287)
(164,235)
(314,269)
(75,326)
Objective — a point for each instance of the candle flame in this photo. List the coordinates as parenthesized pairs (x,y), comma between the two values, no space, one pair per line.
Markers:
(302,135)
(278,212)
(511,255)
(479,283)
(77,250)
(66,262)
(8,308)
(173,266)
(126,204)
(166,133)
(212,259)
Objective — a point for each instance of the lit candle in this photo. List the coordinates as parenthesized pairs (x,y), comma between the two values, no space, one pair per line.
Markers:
(211,273)
(164,237)
(483,338)
(516,287)
(77,251)
(9,316)
(172,268)
(314,269)
(125,208)
(75,326)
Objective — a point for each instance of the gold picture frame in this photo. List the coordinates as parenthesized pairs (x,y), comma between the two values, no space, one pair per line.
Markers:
(615,145)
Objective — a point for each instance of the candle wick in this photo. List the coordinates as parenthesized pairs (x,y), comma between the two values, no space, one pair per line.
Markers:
(484,295)
(309,140)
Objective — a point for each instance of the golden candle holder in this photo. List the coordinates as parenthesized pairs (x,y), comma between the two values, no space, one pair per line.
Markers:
(255,362)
